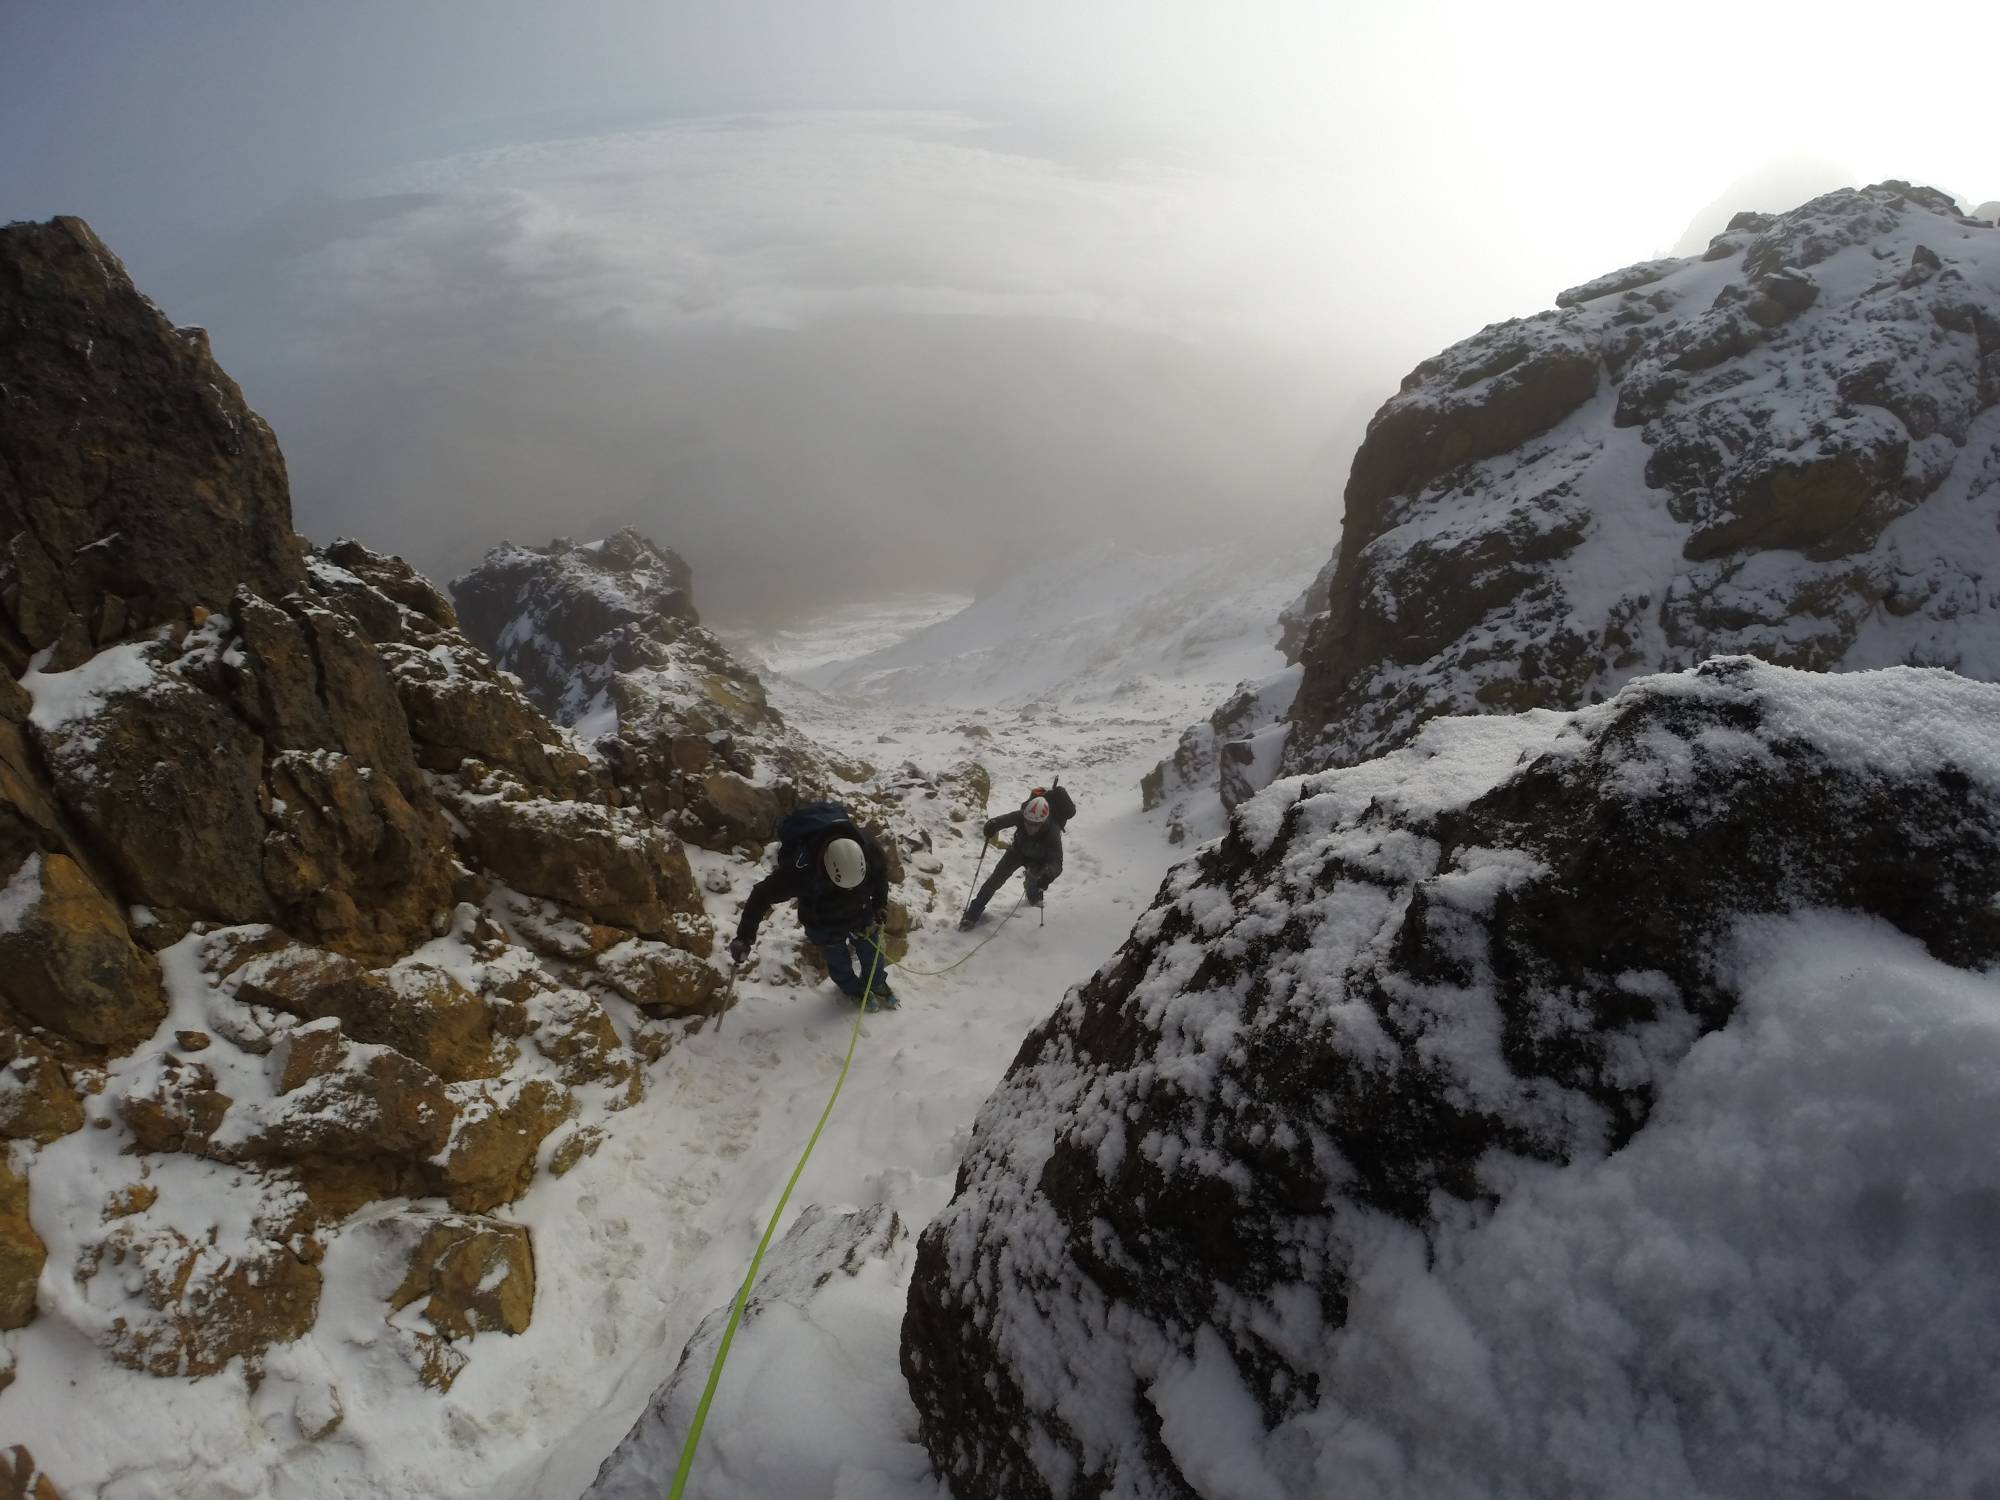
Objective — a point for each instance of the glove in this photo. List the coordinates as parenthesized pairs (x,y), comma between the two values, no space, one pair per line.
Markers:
(992,827)
(738,951)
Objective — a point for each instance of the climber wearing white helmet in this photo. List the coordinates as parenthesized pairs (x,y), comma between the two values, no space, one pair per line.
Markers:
(837,874)
(1037,848)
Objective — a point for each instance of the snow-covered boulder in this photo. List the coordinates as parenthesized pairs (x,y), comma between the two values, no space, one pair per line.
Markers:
(1786,447)
(811,1346)
(1594,1103)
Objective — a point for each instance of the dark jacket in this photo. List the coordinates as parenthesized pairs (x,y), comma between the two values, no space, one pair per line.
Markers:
(1041,848)
(801,876)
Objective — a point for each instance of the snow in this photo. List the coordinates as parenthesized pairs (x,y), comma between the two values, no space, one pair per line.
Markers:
(1110,624)
(644,1239)
(1781,1288)
(22,893)
(1583,575)
(1630,1325)
(63,698)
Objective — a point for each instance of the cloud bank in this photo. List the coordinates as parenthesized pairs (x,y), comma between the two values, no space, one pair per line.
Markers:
(822,353)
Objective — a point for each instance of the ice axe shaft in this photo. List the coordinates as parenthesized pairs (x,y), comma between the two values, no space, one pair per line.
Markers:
(984,844)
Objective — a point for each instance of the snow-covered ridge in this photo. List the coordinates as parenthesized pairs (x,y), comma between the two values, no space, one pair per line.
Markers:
(1104,623)
(553,615)
(1588,1103)
(1787,447)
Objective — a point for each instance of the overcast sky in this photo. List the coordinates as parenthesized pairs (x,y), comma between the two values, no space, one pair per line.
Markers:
(840,295)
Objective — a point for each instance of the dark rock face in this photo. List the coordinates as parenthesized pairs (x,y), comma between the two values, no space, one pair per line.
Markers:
(545,613)
(178,497)
(1236,752)
(1240,747)
(1298,620)
(1783,448)
(604,635)
(1493,947)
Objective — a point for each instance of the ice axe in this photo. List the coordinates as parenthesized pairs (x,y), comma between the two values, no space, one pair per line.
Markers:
(984,844)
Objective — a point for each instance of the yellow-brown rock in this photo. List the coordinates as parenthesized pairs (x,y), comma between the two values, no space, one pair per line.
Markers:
(664,981)
(67,961)
(37,1102)
(21,1478)
(22,1253)
(473,1276)
(572,1031)
(345,1099)
(145,473)
(351,861)
(730,810)
(206,1307)
(493,1150)
(166,783)
(173,1105)
(608,864)
(420,1010)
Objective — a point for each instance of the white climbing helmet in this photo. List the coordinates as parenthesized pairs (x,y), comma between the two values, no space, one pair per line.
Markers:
(1036,813)
(846,866)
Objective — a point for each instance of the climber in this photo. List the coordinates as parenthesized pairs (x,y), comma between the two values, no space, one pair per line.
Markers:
(838,876)
(1036,849)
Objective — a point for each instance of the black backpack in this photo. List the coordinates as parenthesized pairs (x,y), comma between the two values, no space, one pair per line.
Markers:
(1062,806)
(805,828)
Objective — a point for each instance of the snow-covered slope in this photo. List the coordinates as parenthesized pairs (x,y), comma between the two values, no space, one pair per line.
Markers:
(1789,447)
(1105,625)
(1593,1104)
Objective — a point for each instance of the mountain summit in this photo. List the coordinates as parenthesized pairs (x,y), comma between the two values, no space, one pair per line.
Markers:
(1786,447)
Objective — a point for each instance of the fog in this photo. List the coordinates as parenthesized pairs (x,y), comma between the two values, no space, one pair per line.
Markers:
(839,298)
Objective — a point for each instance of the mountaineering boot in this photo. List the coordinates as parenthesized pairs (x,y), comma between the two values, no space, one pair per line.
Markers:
(974,915)
(878,998)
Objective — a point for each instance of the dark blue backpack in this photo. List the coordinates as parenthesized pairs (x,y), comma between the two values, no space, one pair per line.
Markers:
(804,827)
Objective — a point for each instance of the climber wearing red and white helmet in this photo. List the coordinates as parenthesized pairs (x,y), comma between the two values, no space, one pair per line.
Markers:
(1037,848)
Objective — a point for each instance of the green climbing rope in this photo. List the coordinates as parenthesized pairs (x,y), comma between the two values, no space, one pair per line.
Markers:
(757,1260)
(940,973)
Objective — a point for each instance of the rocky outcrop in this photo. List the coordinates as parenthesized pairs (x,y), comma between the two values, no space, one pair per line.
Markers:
(1297,620)
(605,637)
(563,617)
(206,1307)
(1235,754)
(179,497)
(470,1276)
(247,781)
(611,865)
(67,960)
(1782,447)
(1363,1072)
(37,1101)
(1239,749)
